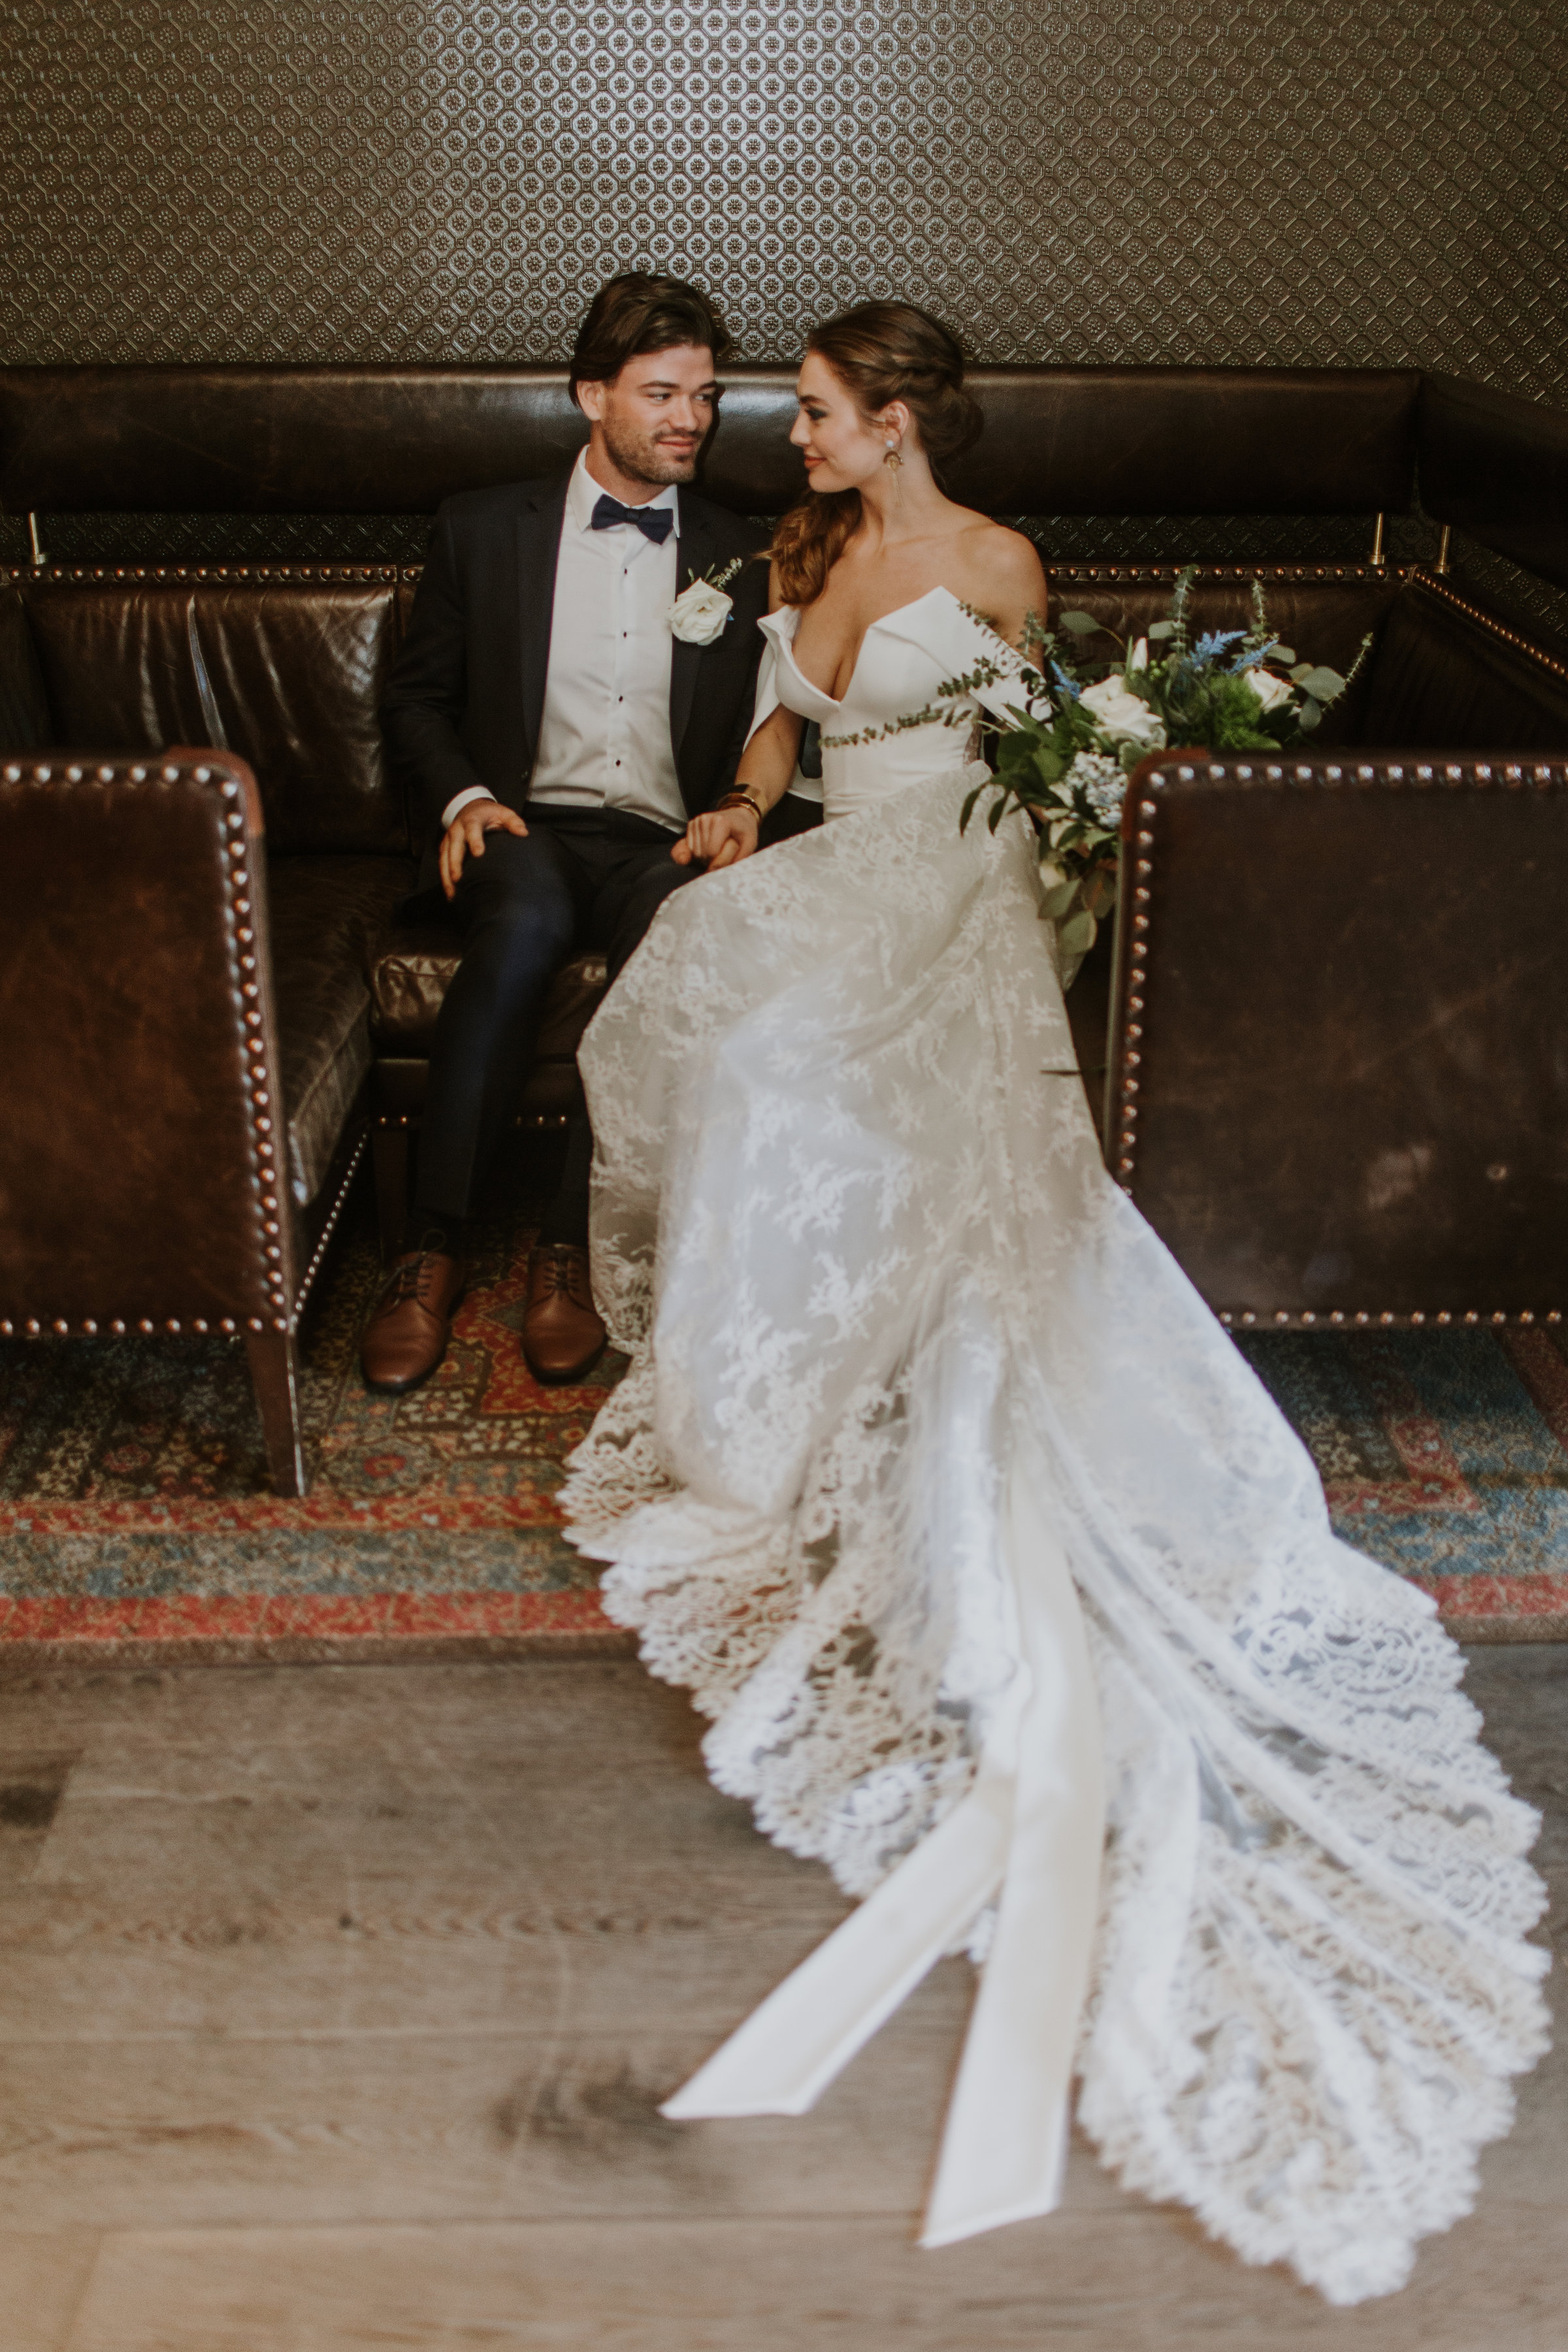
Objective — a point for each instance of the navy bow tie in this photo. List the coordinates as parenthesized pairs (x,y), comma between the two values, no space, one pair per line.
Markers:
(653,522)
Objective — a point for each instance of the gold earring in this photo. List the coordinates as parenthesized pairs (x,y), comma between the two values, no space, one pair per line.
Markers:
(892,457)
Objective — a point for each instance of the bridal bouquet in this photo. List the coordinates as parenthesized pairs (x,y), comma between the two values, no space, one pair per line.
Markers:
(1070,730)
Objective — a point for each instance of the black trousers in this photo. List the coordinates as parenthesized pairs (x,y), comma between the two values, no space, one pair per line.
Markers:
(590,879)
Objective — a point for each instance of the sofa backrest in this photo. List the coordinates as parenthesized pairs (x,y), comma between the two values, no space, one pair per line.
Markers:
(284,666)
(284,671)
(1439,674)
(390,440)
(1448,675)
(1323,611)
(1497,466)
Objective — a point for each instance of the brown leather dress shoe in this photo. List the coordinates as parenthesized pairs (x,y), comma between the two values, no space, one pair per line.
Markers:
(562,1336)
(411,1322)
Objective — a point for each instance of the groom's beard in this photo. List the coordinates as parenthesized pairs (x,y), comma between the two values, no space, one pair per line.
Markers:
(653,457)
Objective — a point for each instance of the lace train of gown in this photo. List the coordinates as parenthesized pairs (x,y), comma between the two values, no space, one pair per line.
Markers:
(1011,1594)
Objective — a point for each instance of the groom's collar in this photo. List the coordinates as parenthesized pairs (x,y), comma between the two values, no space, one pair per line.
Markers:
(583,493)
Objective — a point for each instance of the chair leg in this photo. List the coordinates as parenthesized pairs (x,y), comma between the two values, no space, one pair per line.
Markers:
(275,1375)
(389,1153)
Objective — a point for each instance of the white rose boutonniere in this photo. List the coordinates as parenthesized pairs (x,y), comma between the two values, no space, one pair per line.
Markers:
(1123,714)
(701,613)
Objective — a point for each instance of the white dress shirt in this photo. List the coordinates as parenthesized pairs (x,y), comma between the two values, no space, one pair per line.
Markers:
(604,739)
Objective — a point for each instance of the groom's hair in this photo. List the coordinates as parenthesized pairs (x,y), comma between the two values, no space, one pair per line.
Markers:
(635,313)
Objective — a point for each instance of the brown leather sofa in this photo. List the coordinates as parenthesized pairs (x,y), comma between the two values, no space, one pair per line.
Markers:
(142,1020)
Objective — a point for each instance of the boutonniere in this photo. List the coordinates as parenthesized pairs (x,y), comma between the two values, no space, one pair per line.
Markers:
(700,612)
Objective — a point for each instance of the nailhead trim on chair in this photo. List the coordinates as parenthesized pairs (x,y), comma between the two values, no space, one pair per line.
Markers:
(1511,775)
(262,1098)
(1347,1318)
(330,1228)
(262,1092)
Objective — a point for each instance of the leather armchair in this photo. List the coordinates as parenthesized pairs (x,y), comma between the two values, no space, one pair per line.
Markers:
(1337,1088)
(144,1154)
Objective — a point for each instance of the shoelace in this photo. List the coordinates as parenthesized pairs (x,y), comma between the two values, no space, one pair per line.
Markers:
(406,1282)
(559,1268)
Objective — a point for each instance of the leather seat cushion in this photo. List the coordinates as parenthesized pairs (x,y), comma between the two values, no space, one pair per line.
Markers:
(412,968)
(324,917)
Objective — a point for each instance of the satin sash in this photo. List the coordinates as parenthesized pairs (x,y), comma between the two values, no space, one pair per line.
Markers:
(1029,1835)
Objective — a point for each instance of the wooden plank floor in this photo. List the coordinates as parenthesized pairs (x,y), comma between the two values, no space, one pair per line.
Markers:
(336,2005)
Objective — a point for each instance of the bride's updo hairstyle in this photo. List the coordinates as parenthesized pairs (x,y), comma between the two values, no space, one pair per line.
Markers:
(880,352)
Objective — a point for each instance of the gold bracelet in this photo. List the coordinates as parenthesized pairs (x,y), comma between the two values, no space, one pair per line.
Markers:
(741,799)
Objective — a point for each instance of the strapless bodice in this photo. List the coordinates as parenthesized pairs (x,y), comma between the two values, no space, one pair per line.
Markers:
(904,659)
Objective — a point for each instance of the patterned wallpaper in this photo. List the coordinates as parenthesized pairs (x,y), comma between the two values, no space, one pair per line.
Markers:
(1229,179)
(1073,180)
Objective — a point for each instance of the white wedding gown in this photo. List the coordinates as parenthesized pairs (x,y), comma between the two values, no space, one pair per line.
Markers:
(1011,1594)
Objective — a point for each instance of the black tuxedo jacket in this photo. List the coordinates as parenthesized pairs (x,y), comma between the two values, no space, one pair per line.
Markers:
(466,696)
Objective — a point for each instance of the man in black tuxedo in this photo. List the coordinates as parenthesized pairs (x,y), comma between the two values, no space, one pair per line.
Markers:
(556,738)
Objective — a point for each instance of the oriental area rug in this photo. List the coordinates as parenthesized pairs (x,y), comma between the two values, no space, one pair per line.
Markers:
(136,1522)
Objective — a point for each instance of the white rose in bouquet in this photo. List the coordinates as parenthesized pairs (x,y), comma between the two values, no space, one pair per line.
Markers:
(699,613)
(1123,714)
(1271,691)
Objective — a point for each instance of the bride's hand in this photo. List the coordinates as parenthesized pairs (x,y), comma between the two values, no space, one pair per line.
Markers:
(719,837)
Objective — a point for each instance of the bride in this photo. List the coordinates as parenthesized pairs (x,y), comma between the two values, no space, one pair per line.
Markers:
(1011,1595)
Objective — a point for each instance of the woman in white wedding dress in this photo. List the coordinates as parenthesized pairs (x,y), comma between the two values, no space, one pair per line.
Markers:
(1010,1593)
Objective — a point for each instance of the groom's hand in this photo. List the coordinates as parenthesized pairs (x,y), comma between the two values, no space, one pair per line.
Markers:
(720,838)
(464,836)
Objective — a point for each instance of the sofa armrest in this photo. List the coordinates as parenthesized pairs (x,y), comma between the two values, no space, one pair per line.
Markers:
(140,1121)
(1337,1085)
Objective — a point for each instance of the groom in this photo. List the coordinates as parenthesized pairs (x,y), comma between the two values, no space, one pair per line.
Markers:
(556,739)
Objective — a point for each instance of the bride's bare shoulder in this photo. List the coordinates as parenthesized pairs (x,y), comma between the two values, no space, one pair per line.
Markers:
(1001,572)
(1001,555)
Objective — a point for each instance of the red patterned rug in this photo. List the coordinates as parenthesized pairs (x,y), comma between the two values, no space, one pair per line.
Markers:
(135,1520)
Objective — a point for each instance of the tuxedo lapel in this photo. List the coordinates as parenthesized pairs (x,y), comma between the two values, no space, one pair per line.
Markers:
(696,556)
(538,551)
